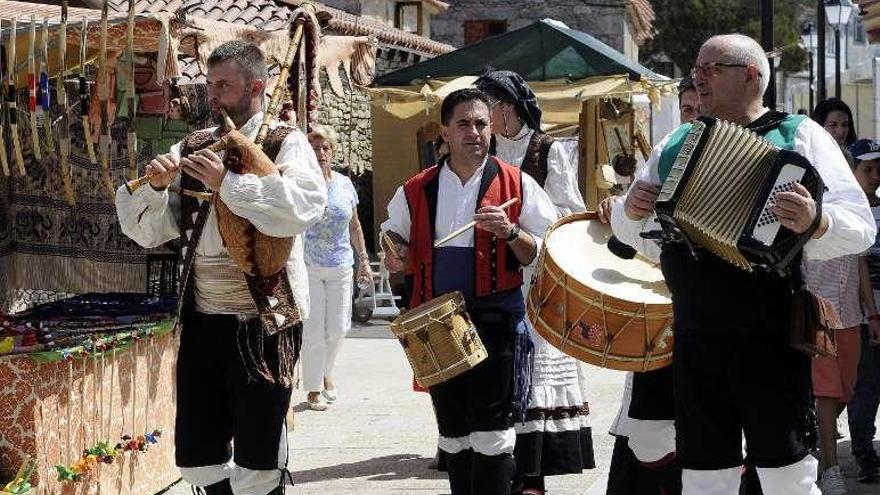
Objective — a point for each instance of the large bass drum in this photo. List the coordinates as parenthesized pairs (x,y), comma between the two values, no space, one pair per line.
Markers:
(596,307)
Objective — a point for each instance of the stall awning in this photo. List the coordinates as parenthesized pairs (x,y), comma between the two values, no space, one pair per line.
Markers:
(542,51)
(559,100)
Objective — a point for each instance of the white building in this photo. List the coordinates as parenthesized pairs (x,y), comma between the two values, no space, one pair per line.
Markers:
(860,77)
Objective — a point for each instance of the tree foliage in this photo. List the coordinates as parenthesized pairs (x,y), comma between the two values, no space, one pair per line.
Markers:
(683,25)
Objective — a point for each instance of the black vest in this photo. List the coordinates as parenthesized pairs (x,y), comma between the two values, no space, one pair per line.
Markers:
(709,294)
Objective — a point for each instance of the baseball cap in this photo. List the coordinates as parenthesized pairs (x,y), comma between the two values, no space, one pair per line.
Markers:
(865,149)
(685,84)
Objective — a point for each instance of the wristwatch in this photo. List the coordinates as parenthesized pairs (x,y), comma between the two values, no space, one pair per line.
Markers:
(514,233)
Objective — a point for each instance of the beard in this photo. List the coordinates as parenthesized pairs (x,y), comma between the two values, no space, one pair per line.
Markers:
(239,112)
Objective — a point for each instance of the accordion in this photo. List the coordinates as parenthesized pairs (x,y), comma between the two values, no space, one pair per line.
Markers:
(720,190)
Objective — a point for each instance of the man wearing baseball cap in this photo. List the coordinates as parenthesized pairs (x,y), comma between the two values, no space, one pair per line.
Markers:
(863,405)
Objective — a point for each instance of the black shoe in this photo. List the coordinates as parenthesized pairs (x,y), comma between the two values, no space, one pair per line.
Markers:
(492,475)
(459,467)
(219,488)
(868,467)
(750,484)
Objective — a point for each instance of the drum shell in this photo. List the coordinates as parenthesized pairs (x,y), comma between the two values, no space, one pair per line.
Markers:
(593,327)
(439,339)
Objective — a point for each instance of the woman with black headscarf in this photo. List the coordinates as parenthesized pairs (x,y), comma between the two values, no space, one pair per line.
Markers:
(556,436)
(516,127)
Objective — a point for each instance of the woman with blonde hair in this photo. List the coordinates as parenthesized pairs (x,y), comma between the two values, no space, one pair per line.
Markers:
(331,247)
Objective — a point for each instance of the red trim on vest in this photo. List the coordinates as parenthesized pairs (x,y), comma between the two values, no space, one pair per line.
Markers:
(497,269)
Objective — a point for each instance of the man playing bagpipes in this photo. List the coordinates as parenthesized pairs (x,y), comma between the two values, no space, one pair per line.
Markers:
(241,311)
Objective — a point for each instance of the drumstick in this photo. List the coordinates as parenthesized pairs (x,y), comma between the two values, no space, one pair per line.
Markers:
(388,244)
(469,225)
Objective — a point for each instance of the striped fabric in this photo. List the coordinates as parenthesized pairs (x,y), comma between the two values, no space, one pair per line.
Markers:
(838,281)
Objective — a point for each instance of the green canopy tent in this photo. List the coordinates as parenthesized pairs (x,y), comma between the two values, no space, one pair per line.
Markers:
(542,51)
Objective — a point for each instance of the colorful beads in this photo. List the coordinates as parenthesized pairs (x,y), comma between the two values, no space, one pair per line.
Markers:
(102,453)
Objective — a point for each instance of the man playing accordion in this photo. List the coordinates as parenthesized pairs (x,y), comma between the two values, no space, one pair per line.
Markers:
(734,371)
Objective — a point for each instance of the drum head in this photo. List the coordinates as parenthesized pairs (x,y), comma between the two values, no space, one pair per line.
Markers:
(579,248)
(421,315)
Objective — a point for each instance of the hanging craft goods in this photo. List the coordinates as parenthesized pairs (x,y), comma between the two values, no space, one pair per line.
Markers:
(130,97)
(64,129)
(4,163)
(83,87)
(44,115)
(102,453)
(103,91)
(11,102)
(21,483)
(32,89)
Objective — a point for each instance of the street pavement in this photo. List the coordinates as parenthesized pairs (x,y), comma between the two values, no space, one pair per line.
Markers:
(380,435)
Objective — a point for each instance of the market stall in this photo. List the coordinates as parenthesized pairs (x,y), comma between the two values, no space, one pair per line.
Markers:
(58,227)
(87,347)
(86,395)
(605,108)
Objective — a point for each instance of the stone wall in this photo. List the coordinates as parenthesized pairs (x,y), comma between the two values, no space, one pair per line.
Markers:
(603,19)
(350,6)
(349,116)
(389,60)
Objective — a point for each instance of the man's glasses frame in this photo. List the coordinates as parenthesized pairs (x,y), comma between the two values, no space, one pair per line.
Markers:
(712,69)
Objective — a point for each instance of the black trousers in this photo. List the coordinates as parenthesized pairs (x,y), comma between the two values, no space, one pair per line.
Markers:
(481,400)
(727,386)
(217,403)
(652,395)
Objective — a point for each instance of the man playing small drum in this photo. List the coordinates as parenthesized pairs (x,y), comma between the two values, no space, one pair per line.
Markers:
(735,373)
(476,409)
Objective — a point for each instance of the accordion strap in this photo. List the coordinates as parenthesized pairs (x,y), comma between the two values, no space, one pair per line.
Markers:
(797,276)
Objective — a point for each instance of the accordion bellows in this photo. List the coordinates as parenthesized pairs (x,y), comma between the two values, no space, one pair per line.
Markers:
(720,190)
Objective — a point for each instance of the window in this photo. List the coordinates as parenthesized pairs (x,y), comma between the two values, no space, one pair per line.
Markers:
(858,27)
(408,17)
(475,31)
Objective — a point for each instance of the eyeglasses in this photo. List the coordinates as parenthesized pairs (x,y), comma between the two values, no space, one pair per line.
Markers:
(492,101)
(712,69)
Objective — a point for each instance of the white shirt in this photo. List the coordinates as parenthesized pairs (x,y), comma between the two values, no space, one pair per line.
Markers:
(851,228)
(277,205)
(561,182)
(457,202)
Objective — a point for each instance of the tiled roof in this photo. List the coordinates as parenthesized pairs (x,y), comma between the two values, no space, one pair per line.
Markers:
(273,14)
(643,14)
(347,24)
(263,14)
(870,10)
(23,11)
(437,4)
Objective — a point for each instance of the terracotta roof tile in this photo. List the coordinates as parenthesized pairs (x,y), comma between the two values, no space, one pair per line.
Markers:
(263,14)
(351,25)
(644,16)
(23,10)
(273,14)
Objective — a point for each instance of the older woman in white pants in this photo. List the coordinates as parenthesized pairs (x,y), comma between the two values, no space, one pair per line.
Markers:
(331,247)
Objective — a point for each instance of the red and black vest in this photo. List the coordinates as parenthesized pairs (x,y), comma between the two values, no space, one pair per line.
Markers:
(496,267)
